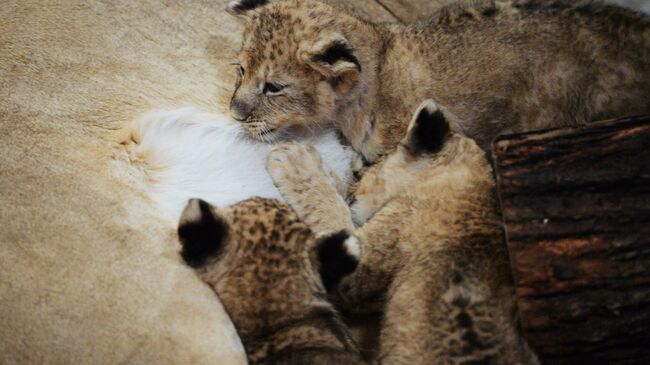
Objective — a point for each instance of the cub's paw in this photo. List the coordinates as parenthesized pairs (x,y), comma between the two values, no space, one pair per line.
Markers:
(297,171)
(291,160)
(294,166)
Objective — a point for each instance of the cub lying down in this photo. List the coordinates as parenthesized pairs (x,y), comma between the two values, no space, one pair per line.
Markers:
(432,251)
(271,275)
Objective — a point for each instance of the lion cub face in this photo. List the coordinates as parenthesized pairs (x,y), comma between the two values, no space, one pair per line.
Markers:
(431,153)
(264,264)
(293,66)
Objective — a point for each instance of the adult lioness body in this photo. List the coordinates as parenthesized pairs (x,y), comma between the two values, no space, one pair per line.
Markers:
(498,65)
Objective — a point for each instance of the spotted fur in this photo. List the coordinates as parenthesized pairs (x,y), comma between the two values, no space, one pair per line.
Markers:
(433,259)
(500,66)
(268,269)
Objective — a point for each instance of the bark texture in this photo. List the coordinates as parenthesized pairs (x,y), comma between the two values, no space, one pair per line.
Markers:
(576,207)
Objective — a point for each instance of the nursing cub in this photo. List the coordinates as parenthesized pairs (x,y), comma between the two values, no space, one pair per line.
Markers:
(271,275)
(500,66)
(433,256)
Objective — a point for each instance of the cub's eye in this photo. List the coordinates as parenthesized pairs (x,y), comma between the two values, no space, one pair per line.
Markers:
(273,88)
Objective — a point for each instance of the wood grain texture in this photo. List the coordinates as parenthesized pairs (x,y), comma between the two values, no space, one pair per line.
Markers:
(576,207)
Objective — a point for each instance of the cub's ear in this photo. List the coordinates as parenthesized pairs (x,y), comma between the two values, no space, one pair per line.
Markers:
(334,58)
(202,232)
(428,129)
(338,255)
(241,8)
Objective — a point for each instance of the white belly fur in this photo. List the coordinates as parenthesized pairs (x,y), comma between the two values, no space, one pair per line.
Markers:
(187,154)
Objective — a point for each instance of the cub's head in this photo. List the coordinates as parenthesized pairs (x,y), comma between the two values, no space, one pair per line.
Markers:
(431,154)
(296,64)
(264,264)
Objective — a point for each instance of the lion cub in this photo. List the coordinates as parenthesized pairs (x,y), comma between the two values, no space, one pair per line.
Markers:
(432,251)
(500,65)
(271,275)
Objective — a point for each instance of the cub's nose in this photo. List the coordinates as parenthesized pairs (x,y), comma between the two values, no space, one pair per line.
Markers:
(239,110)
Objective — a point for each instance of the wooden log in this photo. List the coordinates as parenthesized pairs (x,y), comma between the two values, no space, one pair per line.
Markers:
(576,208)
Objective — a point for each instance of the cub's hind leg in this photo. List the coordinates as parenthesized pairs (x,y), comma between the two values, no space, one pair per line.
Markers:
(442,311)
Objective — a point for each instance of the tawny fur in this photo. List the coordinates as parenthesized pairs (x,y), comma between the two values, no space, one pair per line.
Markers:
(432,251)
(266,275)
(90,270)
(500,66)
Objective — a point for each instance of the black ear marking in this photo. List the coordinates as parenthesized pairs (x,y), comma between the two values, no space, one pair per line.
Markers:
(338,256)
(240,7)
(201,232)
(429,130)
(338,51)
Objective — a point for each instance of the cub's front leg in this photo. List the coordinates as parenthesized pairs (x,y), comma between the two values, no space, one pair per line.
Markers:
(298,172)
